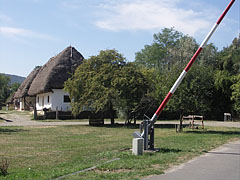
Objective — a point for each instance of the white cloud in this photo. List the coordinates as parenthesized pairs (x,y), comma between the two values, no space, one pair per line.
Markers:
(19,32)
(151,15)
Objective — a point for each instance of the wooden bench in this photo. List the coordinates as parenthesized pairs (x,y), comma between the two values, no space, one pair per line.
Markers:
(96,121)
(192,119)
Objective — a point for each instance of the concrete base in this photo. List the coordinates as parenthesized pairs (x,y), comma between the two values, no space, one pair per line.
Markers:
(137,146)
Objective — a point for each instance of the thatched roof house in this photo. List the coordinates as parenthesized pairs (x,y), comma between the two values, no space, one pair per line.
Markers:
(56,71)
(23,101)
(48,85)
(24,87)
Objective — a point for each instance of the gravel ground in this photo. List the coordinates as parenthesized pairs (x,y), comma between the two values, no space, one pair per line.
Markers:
(19,119)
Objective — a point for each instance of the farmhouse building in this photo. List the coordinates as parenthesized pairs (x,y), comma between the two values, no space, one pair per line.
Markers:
(22,100)
(48,84)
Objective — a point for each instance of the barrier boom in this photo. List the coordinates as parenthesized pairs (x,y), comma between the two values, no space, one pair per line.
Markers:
(186,69)
(148,125)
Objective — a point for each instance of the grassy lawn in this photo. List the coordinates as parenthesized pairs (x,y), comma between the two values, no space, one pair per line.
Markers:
(49,152)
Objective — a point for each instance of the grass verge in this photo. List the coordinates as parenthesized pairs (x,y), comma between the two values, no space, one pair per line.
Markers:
(49,152)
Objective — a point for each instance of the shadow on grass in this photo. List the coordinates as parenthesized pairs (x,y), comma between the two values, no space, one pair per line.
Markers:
(5,120)
(136,126)
(8,130)
(214,132)
(167,150)
(162,151)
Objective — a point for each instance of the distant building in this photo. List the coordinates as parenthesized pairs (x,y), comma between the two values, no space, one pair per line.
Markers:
(22,100)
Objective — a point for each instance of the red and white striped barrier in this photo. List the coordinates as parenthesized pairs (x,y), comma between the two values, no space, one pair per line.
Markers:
(186,69)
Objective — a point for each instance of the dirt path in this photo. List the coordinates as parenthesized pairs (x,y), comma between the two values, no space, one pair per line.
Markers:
(19,119)
(25,120)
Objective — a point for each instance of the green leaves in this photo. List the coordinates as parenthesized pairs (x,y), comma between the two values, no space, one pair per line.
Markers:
(236,93)
(4,88)
(105,82)
(210,87)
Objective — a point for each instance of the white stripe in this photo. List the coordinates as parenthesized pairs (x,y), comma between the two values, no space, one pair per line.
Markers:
(154,118)
(178,81)
(209,35)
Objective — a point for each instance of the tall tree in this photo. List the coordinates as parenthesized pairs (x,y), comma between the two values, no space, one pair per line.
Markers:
(236,94)
(106,82)
(169,47)
(228,69)
(4,88)
(195,93)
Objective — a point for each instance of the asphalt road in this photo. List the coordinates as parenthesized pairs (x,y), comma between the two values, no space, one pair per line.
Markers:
(222,163)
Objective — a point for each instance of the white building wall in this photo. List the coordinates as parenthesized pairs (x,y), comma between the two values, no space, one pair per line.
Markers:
(42,101)
(56,100)
(21,104)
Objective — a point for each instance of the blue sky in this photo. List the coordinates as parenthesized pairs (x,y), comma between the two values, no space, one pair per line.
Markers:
(32,31)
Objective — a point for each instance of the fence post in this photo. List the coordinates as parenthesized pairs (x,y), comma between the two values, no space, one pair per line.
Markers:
(35,113)
(57,116)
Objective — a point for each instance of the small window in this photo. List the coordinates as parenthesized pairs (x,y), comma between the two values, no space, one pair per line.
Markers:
(66,99)
(48,99)
(38,99)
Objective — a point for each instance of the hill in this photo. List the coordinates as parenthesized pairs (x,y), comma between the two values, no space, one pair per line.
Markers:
(14,78)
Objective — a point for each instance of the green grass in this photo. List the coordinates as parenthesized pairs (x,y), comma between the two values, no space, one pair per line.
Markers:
(49,152)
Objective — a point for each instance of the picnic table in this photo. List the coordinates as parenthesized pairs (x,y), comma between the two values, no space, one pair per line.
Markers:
(192,119)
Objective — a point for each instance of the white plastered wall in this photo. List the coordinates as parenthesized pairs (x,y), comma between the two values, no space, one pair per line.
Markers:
(53,100)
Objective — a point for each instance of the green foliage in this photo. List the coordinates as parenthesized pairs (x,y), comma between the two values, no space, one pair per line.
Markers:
(208,88)
(4,88)
(208,57)
(236,93)
(106,82)
(14,87)
(168,47)
(194,95)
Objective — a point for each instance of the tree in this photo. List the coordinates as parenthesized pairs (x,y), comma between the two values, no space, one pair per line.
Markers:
(236,94)
(168,47)
(4,85)
(228,69)
(106,83)
(208,57)
(195,93)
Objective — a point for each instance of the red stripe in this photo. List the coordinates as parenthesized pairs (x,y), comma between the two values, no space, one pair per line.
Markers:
(193,59)
(159,110)
(225,12)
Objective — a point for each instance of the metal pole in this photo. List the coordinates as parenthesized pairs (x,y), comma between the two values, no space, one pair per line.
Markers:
(145,137)
(184,72)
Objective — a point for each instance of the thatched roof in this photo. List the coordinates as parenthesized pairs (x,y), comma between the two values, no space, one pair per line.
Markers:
(10,99)
(24,87)
(56,71)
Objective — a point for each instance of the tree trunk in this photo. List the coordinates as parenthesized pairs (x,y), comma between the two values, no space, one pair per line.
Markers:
(111,114)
